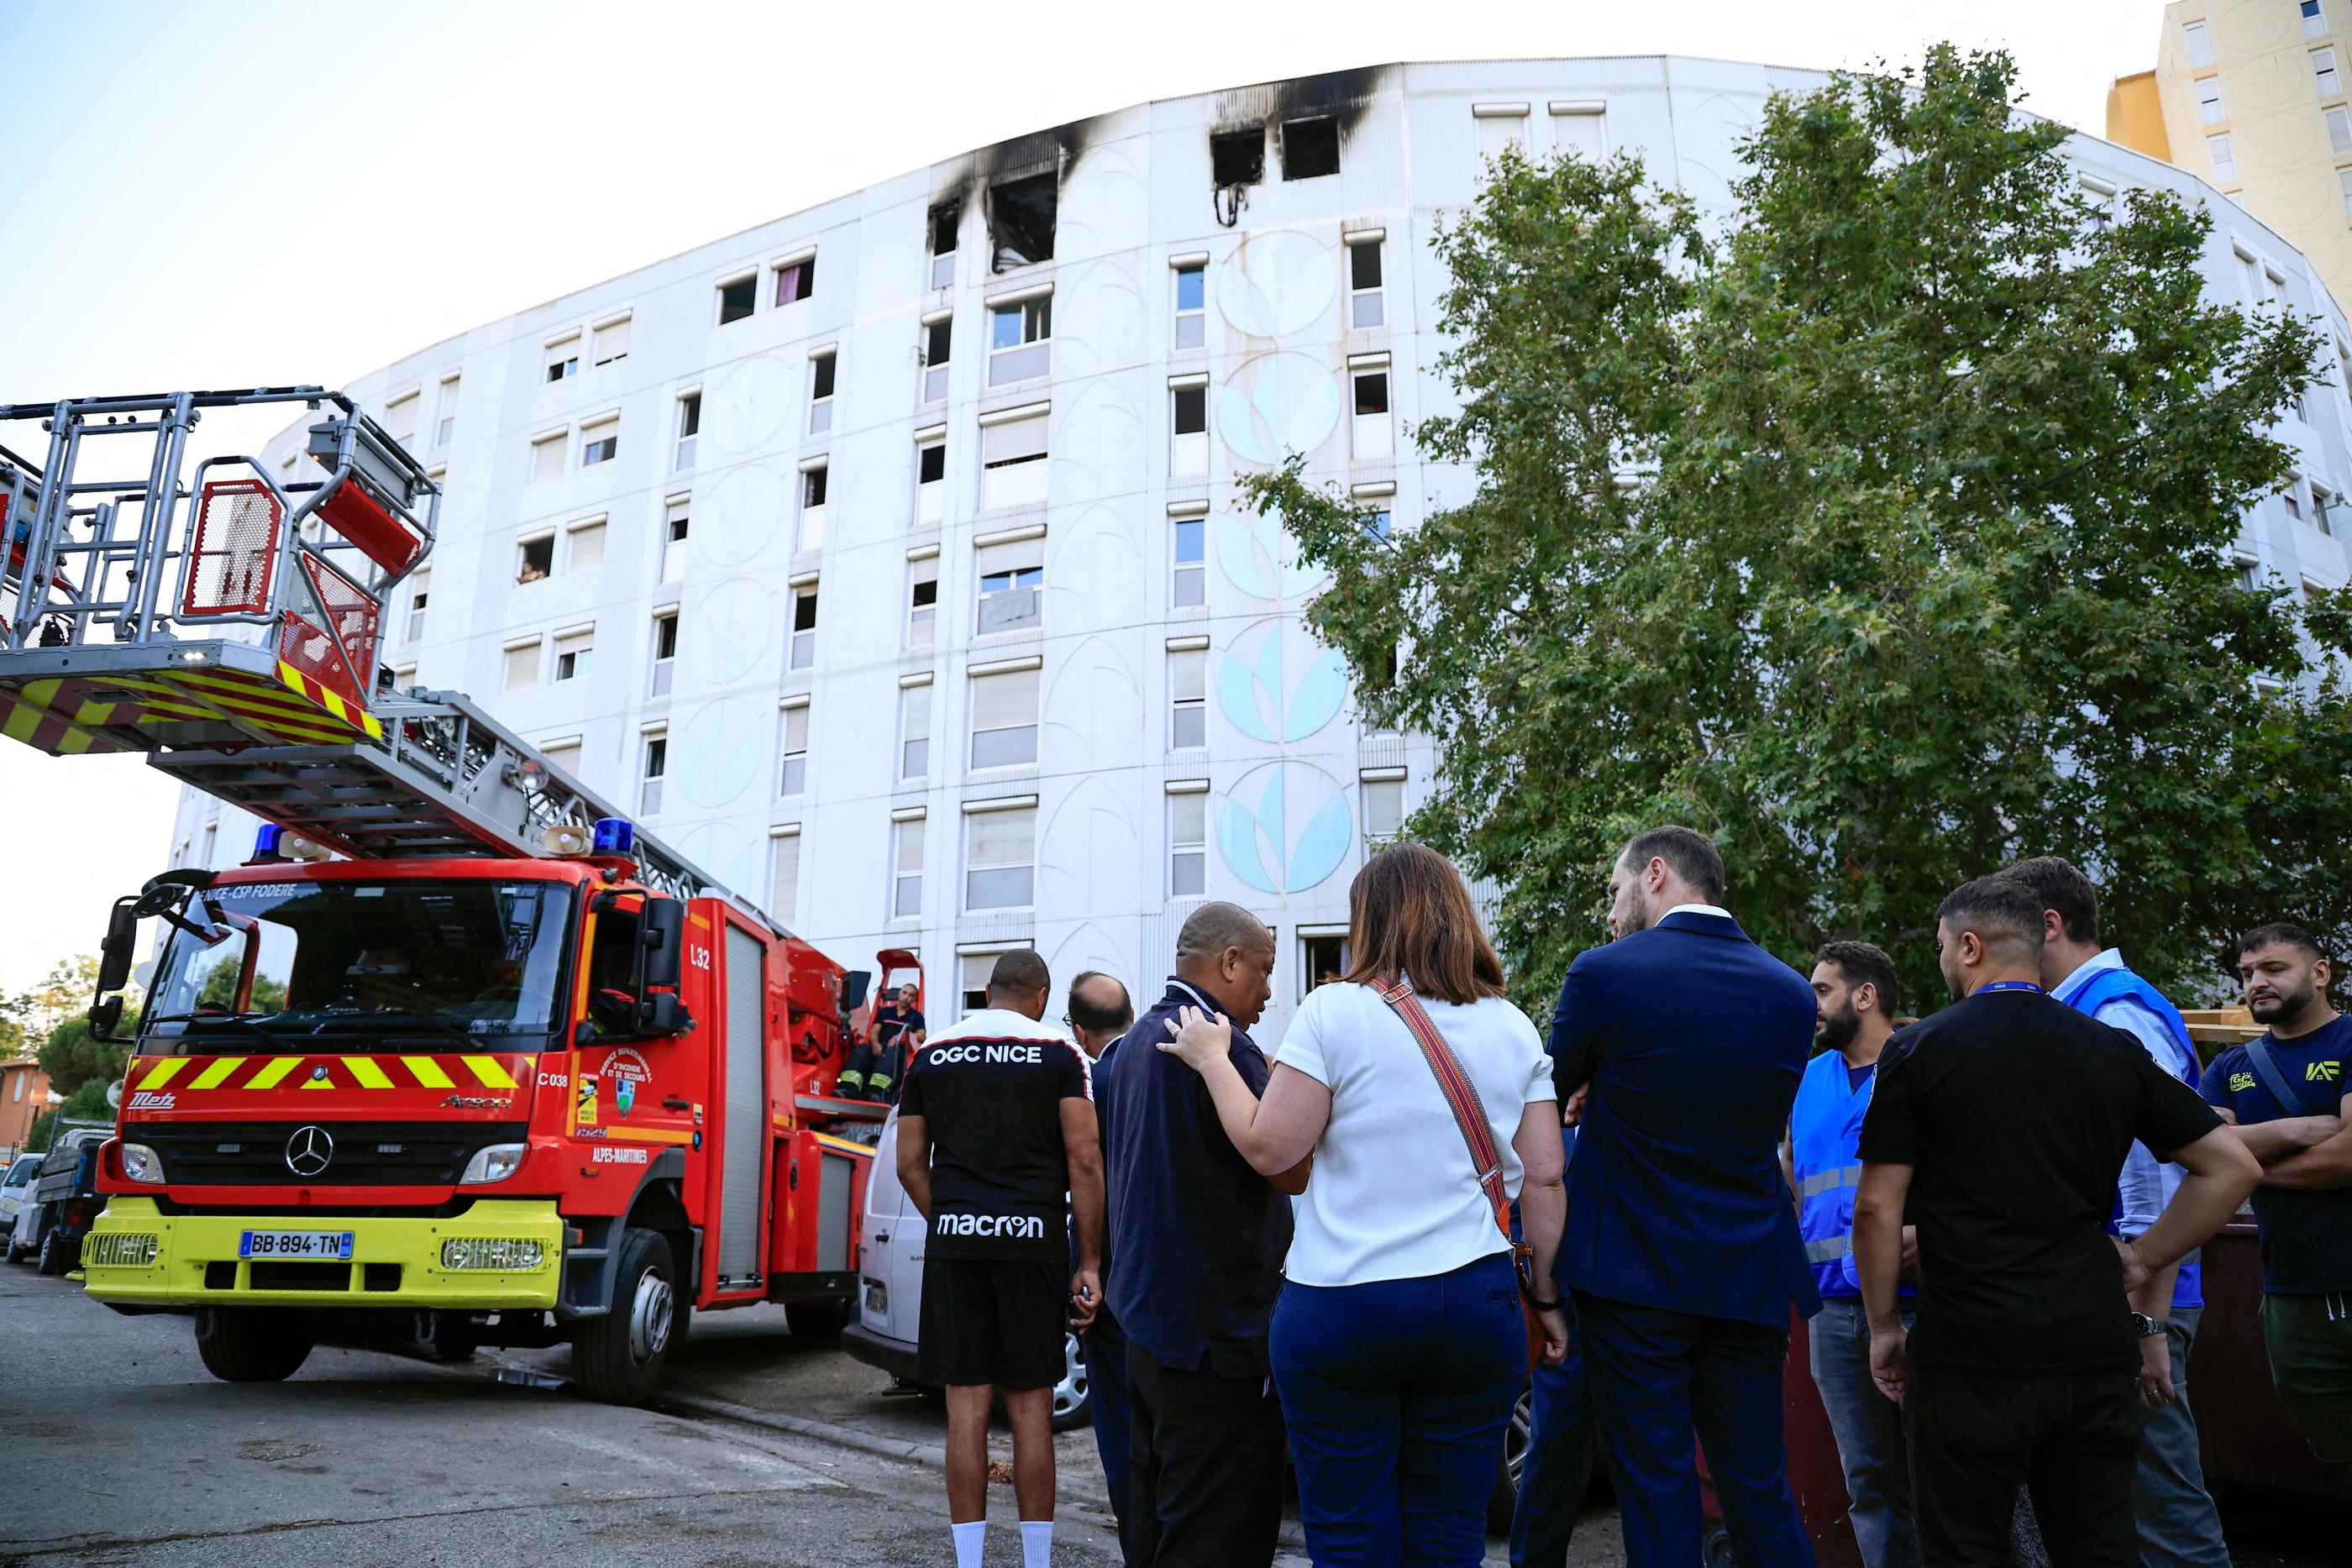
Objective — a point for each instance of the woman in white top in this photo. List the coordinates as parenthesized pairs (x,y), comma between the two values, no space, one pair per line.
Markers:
(1399,1344)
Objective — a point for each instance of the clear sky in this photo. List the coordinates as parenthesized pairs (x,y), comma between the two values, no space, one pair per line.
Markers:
(230,195)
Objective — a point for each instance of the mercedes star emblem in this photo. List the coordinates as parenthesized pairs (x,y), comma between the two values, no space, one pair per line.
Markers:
(309,1151)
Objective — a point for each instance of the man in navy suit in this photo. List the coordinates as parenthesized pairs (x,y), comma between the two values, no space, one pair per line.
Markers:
(1680,1045)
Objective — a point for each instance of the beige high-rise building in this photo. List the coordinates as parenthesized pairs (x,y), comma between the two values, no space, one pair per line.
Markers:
(2251,94)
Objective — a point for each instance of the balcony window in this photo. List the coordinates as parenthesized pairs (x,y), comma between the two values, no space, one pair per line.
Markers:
(445,424)
(1188,419)
(820,393)
(1375,435)
(572,654)
(1004,719)
(907,877)
(923,602)
(1383,808)
(1367,305)
(931,491)
(814,485)
(1188,844)
(1010,598)
(674,530)
(689,430)
(1191,305)
(420,587)
(804,643)
(665,653)
(939,340)
(2200,43)
(1000,859)
(1013,467)
(915,732)
(523,666)
(535,559)
(2224,154)
(792,775)
(600,443)
(1189,584)
(2209,101)
(563,358)
(1188,693)
(655,764)
(547,456)
(796,280)
(612,341)
(1020,340)
(945,219)
(784,875)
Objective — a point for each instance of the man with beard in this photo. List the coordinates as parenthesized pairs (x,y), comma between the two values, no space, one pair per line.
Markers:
(1680,1045)
(1998,1127)
(1854,985)
(2286,1094)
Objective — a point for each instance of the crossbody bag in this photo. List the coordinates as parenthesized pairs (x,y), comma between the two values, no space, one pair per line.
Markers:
(2275,1078)
(1477,1135)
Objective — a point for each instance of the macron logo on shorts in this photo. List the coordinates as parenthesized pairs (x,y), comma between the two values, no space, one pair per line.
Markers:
(1017,1226)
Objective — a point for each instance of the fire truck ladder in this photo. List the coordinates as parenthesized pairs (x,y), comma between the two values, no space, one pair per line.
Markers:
(255,678)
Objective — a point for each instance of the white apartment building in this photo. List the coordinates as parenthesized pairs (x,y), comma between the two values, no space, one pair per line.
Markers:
(886,559)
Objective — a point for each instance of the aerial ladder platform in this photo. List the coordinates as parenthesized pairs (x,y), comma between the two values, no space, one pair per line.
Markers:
(227,628)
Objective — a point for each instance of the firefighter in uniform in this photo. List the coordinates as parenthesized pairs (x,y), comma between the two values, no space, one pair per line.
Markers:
(877,1065)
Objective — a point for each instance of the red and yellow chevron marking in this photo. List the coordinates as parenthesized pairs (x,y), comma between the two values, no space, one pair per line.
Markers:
(67,716)
(188,1074)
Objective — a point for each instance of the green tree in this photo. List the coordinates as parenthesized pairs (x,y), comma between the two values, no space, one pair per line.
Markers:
(1924,563)
(75,1056)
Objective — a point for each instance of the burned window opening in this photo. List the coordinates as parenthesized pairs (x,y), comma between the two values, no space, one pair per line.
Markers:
(1237,157)
(945,217)
(1310,147)
(1020,216)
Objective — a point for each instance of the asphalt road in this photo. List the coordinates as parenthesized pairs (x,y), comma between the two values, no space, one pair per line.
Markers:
(116,1446)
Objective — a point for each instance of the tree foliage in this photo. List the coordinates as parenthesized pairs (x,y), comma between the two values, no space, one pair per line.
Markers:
(75,1056)
(1882,530)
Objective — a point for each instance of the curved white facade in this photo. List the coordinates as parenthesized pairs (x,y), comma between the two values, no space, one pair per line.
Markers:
(1136,709)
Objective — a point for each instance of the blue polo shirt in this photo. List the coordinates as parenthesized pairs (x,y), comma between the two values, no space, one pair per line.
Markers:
(1199,1237)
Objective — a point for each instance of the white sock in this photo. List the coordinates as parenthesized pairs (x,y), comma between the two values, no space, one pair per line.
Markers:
(1036,1542)
(968,1539)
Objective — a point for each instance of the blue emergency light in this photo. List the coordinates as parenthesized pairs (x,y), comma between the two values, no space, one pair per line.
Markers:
(615,836)
(266,841)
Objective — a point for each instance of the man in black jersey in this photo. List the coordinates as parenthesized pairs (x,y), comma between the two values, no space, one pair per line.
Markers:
(2001,1122)
(996,1134)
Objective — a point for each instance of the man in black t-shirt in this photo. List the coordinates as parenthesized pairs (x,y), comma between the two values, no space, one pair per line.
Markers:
(996,1136)
(2290,1095)
(2000,1124)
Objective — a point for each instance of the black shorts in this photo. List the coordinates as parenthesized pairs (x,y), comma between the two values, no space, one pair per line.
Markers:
(990,1320)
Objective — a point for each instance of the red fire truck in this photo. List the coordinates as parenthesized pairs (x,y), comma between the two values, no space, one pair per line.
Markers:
(458,1056)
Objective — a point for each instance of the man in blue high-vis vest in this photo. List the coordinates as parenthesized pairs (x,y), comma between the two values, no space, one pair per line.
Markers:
(2177,1524)
(1854,988)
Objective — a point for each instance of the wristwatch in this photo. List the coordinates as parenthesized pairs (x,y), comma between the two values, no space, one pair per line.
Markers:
(2146,1327)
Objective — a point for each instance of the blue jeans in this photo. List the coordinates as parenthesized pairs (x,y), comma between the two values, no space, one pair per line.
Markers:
(1661,1376)
(1869,1430)
(1397,1393)
(1108,1406)
(1559,1460)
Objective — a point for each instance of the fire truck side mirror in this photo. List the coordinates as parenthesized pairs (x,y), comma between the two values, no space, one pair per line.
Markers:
(104,1014)
(663,1014)
(661,927)
(115,951)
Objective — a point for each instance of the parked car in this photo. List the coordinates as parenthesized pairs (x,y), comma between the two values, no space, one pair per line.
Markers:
(15,1189)
(65,1199)
(890,1306)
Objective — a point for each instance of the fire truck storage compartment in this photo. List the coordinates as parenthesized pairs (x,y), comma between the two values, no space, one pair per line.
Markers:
(746,1100)
(833,1216)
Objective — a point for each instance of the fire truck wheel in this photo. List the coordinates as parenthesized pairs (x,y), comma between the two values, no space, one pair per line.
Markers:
(617,1355)
(251,1344)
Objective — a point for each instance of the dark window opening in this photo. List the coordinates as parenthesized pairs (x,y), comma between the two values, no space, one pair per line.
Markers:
(945,219)
(1372,392)
(937,338)
(1326,959)
(1310,147)
(813,488)
(932,464)
(1191,410)
(927,593)
(1237,157)
(538,559)
(823,387)
(1364,265)
(1020,216)
(795,282)
(804,609)
(666,637)
(736,300)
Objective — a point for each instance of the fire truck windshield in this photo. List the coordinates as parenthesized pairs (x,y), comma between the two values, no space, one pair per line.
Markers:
(463,959)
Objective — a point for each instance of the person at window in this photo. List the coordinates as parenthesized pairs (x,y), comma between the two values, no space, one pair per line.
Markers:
(1199,1237)
(1998,1127)
(2289,1095)
(1399,1343)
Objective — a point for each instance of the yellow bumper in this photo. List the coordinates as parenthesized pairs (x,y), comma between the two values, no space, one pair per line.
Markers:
(395,1263)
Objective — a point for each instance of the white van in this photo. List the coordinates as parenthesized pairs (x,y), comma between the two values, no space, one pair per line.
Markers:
(16,1192)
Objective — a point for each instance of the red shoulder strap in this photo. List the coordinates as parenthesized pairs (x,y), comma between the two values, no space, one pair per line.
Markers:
(1461,1094)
